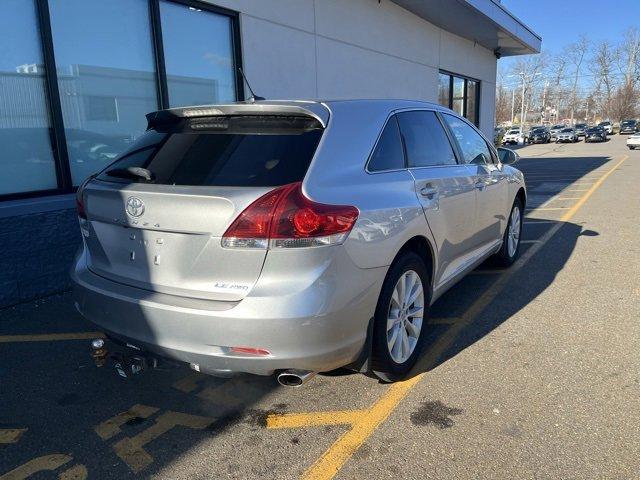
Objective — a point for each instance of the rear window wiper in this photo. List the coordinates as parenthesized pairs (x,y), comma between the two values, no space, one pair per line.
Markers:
(132,172)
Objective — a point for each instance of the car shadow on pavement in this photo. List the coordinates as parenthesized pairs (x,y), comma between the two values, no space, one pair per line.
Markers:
(460,318)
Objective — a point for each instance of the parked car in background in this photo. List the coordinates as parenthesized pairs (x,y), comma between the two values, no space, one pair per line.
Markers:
(629,126)
(555,130)
(539,135)
(514,137)
(608,127)
(567,135)
(595,134)
(633,141)
(581,129)
(228,236)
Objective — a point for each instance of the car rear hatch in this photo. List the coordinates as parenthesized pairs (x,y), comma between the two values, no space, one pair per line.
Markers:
(155,217)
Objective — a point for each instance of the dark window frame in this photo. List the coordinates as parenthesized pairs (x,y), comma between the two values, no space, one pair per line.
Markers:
(451,75)
(52,93)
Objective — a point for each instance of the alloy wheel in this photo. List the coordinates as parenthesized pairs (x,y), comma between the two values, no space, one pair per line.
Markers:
(405,316)
(513,237)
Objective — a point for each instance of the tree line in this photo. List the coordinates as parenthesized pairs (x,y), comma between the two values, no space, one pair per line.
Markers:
(586,81)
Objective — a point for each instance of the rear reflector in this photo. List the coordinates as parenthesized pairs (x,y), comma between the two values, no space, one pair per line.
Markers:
(285,218)
(250,351)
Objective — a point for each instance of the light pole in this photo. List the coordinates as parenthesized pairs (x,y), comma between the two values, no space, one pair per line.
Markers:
(523,75)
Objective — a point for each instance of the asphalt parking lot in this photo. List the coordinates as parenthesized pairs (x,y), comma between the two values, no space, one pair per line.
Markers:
(531,372)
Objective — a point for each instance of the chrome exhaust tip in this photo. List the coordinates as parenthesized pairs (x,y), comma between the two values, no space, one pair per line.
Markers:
(295,378)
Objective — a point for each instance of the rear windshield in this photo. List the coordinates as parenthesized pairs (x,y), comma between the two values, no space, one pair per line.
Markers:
(222,151)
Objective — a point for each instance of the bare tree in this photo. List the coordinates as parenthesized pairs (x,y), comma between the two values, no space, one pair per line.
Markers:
(503,104)
(602,67)
(576,54)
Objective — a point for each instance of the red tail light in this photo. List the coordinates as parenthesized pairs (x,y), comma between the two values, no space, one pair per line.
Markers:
(80,205)
(285,218)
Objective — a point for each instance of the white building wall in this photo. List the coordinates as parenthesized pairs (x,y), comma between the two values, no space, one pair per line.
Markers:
(354,49)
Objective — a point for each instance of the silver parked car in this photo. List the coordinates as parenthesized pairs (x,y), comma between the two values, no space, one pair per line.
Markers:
(290,237)
(567,135)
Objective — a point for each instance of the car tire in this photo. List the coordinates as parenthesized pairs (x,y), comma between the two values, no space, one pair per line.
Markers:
(392,360)
(509,251)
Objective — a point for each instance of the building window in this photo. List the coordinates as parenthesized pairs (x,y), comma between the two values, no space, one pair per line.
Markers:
(82,74)
(27,161)
(113,58)
(198,53)
(460,94)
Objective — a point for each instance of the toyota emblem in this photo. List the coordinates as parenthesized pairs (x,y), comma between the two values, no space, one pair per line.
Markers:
(135,206)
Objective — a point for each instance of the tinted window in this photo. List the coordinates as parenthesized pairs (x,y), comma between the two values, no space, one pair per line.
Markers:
(239,155)
(474,148)
(388,153)
(425,140)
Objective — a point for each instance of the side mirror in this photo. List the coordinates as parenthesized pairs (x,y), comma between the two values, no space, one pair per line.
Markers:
(507,156)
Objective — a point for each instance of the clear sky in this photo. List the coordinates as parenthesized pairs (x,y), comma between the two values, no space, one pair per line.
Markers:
(560,22)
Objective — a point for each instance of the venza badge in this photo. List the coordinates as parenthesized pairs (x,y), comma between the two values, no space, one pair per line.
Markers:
(135,206)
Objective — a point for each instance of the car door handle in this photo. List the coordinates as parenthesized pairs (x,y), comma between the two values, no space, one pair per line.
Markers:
(429,192)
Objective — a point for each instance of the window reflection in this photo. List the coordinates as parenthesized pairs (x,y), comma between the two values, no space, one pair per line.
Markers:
(198,52)
(444,89)
(106,77)
(26,162)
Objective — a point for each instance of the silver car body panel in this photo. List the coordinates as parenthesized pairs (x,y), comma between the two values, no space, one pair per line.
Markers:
(185,296)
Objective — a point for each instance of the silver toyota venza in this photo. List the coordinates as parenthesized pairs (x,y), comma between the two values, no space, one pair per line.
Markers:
(291,237)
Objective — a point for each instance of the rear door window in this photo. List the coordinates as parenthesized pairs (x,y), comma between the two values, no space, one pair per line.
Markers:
(228,151)
(388,154)
(425,140)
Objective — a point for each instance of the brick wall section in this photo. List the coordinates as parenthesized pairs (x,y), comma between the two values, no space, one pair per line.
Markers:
(36,253)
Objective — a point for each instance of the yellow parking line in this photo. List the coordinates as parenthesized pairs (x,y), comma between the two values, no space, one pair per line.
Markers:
(313,419)
(40,464)
(534,209)
(11,435)
(110,428)
(50,337)
(567,216)
(328,465)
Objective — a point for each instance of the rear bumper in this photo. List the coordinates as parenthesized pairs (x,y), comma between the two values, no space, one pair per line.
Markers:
(317,328)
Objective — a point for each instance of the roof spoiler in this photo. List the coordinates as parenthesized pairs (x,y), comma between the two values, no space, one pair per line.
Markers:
(316,111)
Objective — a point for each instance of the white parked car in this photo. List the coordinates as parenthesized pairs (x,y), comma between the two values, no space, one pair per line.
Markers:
(514,136)
(608,127)
(633,141)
